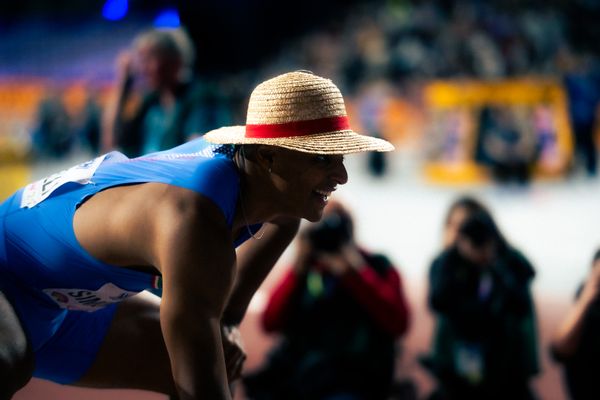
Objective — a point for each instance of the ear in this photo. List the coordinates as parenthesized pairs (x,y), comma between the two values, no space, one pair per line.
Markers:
(265,156)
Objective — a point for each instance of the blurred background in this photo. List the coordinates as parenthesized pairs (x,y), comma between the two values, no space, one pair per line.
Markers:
(496,99)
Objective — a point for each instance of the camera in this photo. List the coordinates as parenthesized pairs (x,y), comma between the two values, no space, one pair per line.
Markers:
(331,233)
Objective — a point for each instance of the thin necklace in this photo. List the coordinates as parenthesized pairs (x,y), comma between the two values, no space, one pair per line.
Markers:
(261,231)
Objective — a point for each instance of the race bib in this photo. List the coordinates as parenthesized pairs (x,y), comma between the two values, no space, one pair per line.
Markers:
(88,300)
(38,191)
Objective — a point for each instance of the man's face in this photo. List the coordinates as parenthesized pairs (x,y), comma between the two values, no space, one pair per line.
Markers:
(305,181)
(156,69)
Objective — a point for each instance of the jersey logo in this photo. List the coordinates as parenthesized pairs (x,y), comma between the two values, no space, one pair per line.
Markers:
(88,300)
(38,191)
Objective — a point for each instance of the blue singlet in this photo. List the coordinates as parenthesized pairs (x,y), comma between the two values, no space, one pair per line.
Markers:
(64,297)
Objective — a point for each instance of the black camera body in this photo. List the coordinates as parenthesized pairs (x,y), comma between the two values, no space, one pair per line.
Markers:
(331,233)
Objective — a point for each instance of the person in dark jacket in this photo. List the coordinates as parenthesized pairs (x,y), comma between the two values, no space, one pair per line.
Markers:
(485,343)
(339,310)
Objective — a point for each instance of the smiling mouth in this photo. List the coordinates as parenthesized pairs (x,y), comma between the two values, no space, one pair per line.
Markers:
(324,194)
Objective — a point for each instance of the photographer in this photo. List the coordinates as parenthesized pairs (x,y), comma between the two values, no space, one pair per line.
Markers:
(575,344)
(485,341)
(339,310)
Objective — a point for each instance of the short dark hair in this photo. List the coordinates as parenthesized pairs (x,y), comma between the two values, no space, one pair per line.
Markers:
(247,150)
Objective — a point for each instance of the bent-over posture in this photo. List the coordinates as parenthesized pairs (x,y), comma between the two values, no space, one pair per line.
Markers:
(78,247)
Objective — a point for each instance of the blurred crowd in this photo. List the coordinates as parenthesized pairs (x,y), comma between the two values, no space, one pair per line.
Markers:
(403,41)
(383,56)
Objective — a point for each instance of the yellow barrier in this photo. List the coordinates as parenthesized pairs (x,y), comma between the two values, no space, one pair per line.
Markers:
(12,177)
(456,105)
(458,173)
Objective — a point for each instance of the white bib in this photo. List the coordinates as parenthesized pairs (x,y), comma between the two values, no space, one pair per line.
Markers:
(38,191)
(86,299)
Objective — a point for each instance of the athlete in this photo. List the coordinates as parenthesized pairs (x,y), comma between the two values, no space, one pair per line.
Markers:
(205,222)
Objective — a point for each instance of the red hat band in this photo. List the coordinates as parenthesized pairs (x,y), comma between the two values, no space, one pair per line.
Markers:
(298,128)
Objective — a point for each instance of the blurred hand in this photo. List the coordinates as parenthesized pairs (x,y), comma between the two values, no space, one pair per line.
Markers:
(233,349)
(346,259)
(124,65)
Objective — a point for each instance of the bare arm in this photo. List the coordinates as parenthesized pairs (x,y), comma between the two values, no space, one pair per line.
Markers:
(567,338)
(256,258)
(194,250)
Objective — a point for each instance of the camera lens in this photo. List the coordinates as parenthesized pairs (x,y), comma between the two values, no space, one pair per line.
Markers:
(331,233)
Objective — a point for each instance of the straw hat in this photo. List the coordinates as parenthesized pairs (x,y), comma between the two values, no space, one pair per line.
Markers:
(299,111)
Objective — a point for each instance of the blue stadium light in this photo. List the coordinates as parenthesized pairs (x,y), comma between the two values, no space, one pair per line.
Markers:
(168,18)
(114,10)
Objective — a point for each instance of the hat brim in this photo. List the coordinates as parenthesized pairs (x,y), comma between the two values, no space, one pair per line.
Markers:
(337,142)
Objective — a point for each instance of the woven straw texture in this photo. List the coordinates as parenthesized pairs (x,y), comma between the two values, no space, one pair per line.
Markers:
(299,96)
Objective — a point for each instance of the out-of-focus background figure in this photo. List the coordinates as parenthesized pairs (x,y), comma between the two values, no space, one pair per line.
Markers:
(172,106)
(485,340)
(339,311)
(576,345)
(460,209)
(582,84)
(53,134)
(509,149)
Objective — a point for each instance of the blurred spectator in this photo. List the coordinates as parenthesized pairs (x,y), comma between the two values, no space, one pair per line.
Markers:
(544,125)
(372,103)
(53,134)
(506,145)
(174,106)
(339,310)
(485,343)
(90,122)
(582,83)
(576,343)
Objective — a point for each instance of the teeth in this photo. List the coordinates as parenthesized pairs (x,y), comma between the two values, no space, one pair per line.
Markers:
(323,193)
